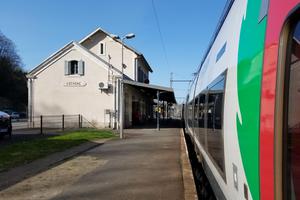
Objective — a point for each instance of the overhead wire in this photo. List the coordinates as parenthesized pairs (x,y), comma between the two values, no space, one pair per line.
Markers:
(162,42)
(160,34)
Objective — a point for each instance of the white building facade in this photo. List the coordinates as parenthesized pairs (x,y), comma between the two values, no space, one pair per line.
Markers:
(84,78)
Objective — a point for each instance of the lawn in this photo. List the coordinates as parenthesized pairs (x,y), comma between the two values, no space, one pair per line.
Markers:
(27,151)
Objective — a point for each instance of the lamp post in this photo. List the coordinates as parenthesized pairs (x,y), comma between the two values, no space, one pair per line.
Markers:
(121,113)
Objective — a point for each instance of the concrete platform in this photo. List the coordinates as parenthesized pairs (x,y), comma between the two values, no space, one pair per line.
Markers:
(146,165)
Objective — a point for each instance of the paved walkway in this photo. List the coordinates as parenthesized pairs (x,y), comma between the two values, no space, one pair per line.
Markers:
(146,165)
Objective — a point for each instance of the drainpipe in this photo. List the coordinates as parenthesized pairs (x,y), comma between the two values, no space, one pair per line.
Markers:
(136,69)
(29,106)
(30,102)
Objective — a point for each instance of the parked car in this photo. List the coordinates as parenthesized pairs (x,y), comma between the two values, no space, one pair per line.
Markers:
(7,111)
(23,115)
(5,124)
(15,115)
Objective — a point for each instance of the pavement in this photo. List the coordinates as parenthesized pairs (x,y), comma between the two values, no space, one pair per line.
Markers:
(147,164)
(17,174)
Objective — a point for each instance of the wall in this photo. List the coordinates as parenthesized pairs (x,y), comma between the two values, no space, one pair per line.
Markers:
(53,96)
(141,64)
(113,53)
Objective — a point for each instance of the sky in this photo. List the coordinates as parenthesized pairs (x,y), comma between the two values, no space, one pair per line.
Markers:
(175,42)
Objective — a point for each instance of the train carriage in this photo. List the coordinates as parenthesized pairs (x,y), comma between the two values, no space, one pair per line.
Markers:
(242,109)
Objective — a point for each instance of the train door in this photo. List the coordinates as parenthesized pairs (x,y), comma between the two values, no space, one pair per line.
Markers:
(280,104)
(291,115)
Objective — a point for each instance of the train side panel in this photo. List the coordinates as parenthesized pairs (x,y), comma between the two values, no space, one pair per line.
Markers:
(240,129)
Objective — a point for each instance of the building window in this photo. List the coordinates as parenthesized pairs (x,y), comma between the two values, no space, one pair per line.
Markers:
(74,67)
(102,48)
(140,75)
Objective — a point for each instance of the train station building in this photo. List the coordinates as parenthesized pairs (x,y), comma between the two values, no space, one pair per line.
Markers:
(85,78)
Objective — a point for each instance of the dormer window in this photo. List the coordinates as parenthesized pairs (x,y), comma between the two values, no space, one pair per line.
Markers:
(74,67)
(102,48)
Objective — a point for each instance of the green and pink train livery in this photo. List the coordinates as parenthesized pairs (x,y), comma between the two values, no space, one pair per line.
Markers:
(243,107)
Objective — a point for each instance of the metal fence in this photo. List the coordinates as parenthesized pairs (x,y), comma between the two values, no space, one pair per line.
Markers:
(46,123)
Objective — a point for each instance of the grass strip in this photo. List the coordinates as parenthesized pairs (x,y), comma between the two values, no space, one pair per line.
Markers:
(27,151)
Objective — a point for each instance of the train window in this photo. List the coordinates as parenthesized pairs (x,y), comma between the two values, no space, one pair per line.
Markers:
(221,52)
(292,125)
(201,118)
(195,119)
(190,114)
(214,113)
(201,112)
(195,125)
(186,112)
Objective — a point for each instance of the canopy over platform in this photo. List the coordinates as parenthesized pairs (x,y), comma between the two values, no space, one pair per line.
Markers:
(165,93)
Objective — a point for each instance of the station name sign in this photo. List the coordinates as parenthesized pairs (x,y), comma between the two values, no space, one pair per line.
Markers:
(75,84)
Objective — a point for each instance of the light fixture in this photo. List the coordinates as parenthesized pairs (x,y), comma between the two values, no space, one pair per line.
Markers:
(129,36)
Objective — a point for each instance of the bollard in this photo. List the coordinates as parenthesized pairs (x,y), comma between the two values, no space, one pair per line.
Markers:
(41,124)
(79,120)
(63,122)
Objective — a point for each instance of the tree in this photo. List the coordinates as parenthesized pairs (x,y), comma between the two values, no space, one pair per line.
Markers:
(13,83)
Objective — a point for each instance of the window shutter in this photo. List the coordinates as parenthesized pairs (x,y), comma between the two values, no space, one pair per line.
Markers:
(81,67)
(67,68)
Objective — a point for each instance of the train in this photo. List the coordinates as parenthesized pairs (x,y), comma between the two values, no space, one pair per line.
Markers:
(242,110)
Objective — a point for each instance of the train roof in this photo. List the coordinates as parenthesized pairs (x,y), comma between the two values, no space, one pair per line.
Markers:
(225,12)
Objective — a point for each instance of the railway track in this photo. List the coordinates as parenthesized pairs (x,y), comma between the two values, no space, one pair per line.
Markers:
(203,186)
